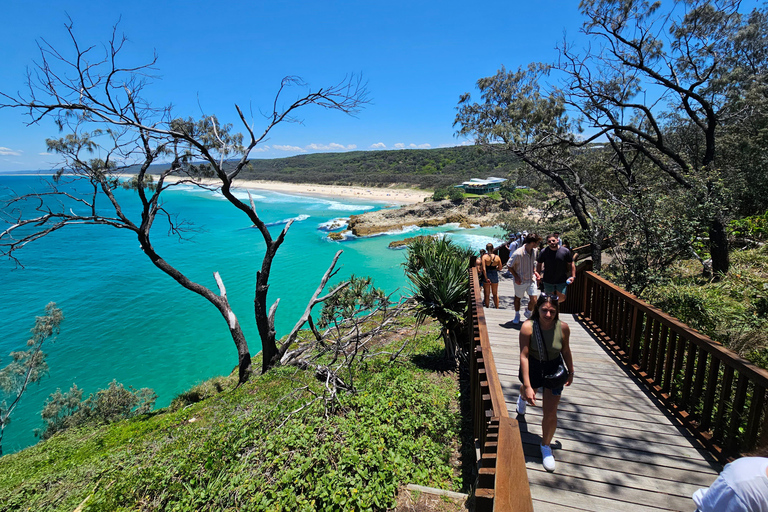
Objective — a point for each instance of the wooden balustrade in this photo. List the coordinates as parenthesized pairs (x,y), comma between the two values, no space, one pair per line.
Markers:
(502,480)
(718,395)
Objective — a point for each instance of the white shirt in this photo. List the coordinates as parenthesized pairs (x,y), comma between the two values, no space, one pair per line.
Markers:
(741,487)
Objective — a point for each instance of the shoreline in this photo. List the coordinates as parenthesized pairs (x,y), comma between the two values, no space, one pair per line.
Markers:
(378,194)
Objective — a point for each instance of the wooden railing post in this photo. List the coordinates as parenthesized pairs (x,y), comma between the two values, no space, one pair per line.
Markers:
(706,386)
(502,477)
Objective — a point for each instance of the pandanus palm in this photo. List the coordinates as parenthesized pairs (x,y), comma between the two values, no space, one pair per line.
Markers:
(437,269)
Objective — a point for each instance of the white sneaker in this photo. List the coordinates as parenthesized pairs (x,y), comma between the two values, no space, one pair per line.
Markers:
(527,313)
(547,459)
(516,320)
(521,405)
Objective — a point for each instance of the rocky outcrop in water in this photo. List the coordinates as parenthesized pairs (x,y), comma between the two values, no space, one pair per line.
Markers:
(482,211)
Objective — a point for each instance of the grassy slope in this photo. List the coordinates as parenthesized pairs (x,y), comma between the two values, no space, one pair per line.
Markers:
(239,449)
(732,310)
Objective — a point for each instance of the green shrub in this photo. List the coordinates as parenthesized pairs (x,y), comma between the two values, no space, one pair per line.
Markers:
(65,410)
(755,227)
(440,194)
(455,194)
(264,445)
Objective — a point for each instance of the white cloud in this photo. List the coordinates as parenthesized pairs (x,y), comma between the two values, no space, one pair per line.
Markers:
(420,146)
(280,147)
(378,145)
(9,152)
(44,154)
(330,147)
(261,149)
(399,145)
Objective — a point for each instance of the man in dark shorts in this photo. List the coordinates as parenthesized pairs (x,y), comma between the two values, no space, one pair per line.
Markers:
(559,270)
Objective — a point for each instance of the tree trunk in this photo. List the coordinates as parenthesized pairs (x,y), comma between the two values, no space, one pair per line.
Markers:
(243,355)
(266,329)
(718,247)
(597,254)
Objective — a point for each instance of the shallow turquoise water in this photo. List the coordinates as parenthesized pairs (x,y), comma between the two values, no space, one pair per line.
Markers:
(126,320)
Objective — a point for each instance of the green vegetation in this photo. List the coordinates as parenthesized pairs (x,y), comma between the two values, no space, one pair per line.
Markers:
(437,268)
(424,168)
(65,410)
(585,123)
(732,310)
(265,445)
(27,366)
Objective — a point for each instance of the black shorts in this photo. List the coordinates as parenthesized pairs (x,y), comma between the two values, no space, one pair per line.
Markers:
(536,375)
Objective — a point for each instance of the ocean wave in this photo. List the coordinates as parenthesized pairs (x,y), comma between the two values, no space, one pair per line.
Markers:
(333,224)
(335,205)
(286,221)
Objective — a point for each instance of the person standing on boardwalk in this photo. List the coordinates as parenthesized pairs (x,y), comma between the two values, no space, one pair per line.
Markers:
(479,266)
(522,265)
(546,327)
(491,267)
(558,267)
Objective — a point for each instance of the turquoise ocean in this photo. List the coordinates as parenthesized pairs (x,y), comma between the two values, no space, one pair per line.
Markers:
(126,320)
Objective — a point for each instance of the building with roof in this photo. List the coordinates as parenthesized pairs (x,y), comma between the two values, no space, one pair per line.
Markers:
(479,186)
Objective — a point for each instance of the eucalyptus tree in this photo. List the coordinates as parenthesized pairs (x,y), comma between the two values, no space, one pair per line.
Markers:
(659,80)
(656,83)
(519,114)
(109,126)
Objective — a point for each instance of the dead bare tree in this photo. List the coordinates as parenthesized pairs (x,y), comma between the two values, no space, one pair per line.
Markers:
(109,128)
(353,324)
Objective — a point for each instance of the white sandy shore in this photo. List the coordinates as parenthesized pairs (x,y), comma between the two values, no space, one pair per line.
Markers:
(391,195)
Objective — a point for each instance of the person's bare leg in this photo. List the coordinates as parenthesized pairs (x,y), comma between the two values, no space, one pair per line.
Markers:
(517,303)
(560,297)
(532,302)
(487,290)
(549,422)
(495,288)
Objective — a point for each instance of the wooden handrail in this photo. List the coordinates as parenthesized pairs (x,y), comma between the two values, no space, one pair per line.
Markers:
(502,477)
(718,395)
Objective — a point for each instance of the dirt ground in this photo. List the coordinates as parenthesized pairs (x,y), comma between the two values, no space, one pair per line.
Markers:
(415,501)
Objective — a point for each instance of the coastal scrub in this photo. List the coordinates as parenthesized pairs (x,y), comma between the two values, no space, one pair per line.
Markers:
(258,447)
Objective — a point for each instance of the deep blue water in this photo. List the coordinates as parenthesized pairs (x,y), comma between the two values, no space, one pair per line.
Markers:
(126,320)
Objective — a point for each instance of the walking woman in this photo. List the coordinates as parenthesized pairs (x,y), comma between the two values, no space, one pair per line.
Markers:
(491,267)
(545,330)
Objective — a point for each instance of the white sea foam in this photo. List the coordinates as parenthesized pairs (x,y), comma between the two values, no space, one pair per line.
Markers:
(335,205)
(346,236)
(285,221)
(333,224)
(405,229)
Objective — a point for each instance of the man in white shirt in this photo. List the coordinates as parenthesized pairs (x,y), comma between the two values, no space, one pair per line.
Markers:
(522,265)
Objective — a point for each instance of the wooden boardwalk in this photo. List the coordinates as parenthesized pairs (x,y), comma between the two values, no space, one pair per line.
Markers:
(615,448)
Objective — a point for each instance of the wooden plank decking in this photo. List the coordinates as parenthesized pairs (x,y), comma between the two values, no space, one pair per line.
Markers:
(615,448)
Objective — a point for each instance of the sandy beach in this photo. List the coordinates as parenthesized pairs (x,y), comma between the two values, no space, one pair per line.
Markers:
(390,195)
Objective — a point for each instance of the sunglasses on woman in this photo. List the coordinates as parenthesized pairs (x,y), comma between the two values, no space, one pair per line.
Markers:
(548,297)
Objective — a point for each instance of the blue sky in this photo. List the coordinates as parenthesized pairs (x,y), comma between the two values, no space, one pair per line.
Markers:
(418,58)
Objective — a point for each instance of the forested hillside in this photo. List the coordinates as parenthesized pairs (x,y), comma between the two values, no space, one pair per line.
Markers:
(425,168)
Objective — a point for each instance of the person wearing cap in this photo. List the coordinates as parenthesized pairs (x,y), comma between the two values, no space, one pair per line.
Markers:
(515,243)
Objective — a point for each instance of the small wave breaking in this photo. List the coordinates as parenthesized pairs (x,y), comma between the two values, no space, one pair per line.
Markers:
(286,221)
(334,224)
